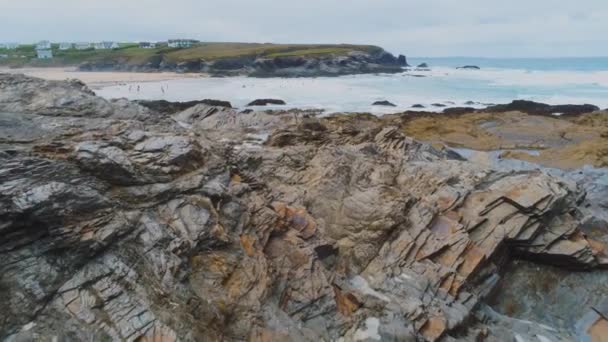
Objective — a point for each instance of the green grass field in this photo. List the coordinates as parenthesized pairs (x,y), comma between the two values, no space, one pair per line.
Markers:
(130,53)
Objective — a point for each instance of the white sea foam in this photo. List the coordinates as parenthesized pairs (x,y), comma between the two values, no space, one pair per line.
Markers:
(448,86)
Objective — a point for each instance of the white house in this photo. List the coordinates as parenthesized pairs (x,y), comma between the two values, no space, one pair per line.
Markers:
(82,46)
(44,54)
(66,46)
(180,43)
(43,45)
(10,46)
(106,45)
(147,45)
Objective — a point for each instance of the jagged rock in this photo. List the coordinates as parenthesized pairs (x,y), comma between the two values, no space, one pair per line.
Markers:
(402,61)
(189,66)
(386,58)
(167,107)
(332,228)
(230,63)
(289,62)
(21,94)
(151,159)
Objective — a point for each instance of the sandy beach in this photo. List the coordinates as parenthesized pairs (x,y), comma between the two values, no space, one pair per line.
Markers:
(99,79)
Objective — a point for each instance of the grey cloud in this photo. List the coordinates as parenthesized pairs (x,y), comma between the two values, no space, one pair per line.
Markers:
(415,27)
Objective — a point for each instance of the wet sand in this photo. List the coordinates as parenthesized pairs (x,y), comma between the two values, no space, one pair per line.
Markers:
(97,80)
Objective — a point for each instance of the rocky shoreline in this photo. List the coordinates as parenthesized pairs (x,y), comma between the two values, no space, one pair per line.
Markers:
(171,222)
(354,62)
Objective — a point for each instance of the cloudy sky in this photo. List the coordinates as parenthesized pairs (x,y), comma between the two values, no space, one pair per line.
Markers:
(489,28)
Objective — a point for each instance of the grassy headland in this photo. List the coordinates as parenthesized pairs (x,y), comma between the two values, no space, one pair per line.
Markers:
(132,54)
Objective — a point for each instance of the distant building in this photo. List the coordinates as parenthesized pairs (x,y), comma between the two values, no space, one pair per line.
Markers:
(82,46)
(147,45)
(11,46)
(106,45)
(44,53)
(180,43)
(2,56)
(43,45)
(66,46)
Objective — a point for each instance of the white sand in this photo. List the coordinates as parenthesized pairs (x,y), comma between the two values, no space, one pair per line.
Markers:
(99,79)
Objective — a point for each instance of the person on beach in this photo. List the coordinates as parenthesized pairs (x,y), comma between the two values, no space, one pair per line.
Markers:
(138,88)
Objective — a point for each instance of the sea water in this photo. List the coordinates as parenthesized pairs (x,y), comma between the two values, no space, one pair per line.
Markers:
(553,81)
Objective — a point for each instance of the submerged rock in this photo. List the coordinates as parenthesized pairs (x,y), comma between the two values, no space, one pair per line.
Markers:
(265,102)
(531,107)
(469,67)
(384,103)
(458,110)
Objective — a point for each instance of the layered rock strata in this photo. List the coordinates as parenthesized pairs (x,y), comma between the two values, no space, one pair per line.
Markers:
(121,223)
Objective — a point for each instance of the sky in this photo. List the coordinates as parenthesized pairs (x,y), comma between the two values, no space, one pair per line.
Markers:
(431,28)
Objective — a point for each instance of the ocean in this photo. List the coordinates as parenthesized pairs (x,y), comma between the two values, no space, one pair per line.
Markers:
(553,81)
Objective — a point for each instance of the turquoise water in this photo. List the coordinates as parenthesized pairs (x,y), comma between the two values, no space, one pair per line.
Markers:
(554,81)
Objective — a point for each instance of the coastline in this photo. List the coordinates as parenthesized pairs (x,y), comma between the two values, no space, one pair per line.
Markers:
(572,143)
(99,79)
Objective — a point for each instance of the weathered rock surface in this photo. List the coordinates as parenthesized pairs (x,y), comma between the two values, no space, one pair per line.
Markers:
(166,107)
(22,94)
(223,226)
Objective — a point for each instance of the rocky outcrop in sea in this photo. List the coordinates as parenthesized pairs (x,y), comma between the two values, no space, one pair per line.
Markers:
(355,62)
(119,222)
